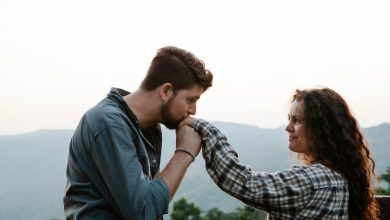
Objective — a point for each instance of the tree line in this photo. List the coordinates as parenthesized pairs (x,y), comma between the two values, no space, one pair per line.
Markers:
(386,178)
(185,210)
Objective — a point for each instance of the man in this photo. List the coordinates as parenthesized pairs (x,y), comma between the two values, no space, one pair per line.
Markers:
(114,154)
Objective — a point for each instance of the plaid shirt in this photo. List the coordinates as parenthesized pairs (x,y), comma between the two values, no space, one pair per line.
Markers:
(302,192)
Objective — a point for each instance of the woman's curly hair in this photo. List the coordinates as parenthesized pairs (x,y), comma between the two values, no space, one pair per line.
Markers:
(339,144)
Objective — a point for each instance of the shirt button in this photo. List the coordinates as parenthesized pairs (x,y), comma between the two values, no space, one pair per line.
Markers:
(154,161)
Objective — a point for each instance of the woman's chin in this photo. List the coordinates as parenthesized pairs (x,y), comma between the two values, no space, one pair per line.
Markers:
(292,148)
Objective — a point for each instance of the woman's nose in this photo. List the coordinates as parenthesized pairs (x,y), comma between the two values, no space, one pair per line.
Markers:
(289,127)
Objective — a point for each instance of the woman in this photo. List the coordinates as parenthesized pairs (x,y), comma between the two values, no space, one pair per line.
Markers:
(333,183)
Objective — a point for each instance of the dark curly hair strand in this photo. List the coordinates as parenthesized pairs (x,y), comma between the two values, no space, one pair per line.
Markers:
(339,144)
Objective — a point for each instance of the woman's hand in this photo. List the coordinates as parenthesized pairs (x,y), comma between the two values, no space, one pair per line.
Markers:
(189,121)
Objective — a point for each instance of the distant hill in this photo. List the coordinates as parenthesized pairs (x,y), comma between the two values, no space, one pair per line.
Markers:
(32,176)
(379,139)
(32,167)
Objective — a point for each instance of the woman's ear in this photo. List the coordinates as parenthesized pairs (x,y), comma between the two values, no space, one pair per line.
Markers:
(166,91)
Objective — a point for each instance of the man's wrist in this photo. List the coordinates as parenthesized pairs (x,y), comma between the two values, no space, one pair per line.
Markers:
(185,150)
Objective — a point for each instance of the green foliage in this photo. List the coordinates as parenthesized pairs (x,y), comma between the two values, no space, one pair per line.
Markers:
(250,213)
(385,177)
(215,214)
(184,210)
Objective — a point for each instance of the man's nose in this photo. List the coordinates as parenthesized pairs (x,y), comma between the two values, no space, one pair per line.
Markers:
(192,109)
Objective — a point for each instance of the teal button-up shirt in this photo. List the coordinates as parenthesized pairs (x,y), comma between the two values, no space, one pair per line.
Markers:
(112,166)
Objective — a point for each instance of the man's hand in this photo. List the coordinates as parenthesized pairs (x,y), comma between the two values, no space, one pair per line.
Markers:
(187,137)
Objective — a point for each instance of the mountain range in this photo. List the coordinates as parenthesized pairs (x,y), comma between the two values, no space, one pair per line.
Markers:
(32,167)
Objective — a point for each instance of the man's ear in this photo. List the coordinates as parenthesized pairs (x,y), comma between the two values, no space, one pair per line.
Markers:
(166,91)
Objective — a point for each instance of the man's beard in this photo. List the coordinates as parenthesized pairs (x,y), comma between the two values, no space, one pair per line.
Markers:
(168,120)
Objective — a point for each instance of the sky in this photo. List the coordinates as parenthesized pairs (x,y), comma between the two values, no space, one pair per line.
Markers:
(59,58)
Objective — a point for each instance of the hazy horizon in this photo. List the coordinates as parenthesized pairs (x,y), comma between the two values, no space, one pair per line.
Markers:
(58,59)
(72,129)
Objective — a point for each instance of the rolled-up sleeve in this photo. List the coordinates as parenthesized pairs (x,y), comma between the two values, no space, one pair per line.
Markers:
(130,192)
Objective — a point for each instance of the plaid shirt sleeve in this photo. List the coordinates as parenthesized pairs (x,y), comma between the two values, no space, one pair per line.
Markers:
(282,194)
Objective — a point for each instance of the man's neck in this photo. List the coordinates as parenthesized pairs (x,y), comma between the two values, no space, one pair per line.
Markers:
(145,107)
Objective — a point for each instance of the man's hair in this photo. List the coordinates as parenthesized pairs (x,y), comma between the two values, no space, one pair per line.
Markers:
(338,143)
(179,67)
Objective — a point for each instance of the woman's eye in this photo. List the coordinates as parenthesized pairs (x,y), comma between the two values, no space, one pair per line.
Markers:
(295,120)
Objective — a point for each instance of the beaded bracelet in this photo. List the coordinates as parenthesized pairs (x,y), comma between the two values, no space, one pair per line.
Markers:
(185,150)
